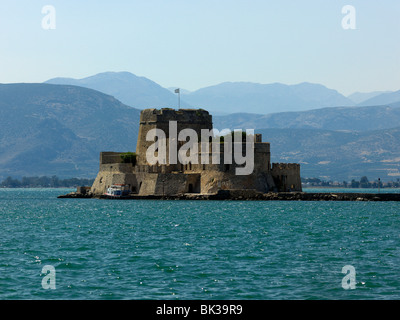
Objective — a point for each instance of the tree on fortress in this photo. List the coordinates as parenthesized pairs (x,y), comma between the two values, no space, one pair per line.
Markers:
(128,157)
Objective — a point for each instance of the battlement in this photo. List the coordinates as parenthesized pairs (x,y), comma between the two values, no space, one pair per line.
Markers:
(190,116)
(195,119)
(285,166)
(110,157)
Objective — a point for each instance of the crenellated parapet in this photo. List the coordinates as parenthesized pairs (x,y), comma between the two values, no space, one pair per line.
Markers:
(200,116)
(107,157)
(285,166)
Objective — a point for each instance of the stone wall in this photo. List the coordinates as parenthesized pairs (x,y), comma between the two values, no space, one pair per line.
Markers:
(162,184)
(114,173)
(212,181)
(286,176)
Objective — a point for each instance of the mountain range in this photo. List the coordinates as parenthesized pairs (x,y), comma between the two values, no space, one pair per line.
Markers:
(381,99)
(224,98)
(233,97)
(360,97)
(130,89)
(59,129)
(228,97)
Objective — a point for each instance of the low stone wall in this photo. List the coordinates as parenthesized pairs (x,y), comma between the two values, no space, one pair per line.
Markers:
(287,176)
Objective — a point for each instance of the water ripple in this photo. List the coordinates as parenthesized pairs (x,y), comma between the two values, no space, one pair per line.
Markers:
(196,249)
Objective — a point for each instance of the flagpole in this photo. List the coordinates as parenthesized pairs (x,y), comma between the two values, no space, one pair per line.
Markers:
(178,91)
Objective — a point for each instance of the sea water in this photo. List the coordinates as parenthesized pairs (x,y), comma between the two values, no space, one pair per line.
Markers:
(179,249)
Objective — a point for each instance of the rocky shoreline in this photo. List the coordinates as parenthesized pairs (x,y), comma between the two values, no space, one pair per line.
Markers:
(251,195)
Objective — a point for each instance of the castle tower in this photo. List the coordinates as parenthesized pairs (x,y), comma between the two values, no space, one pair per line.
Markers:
(195,119)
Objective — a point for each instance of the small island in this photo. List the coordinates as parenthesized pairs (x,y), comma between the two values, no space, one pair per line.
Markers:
(206,176)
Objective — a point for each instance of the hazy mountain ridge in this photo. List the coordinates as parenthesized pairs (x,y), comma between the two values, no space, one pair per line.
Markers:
(132,90)
(227,97)
(232,97)
(360,97)
(384,98)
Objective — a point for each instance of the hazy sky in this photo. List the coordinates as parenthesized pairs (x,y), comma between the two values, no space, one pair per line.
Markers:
(197,43)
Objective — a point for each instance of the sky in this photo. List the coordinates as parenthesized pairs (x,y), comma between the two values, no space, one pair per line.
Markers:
(197,43)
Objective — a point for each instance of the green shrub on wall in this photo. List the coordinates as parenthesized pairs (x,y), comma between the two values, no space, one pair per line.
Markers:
(128,157)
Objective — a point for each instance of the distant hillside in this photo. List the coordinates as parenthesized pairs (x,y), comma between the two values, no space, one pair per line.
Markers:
(60,130)
(384,98)
(340,118)
(134,91)
(233,97)
(359,97)
(338,155)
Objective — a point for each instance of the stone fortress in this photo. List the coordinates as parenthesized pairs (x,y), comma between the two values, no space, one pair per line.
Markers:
(174,179)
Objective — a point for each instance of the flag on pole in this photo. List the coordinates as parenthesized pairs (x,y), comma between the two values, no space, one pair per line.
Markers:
(179,97)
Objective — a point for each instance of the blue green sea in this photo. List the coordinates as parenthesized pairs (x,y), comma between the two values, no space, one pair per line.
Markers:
(145,249)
